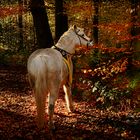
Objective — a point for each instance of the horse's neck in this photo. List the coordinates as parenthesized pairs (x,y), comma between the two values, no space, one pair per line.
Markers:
(67,42)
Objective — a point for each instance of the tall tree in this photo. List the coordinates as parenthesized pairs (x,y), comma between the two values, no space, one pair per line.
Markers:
(40,19)
(95,21)
(20,23)
(61,19)
(135,31)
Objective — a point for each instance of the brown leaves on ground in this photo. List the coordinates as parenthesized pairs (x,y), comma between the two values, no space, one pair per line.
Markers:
(18,112)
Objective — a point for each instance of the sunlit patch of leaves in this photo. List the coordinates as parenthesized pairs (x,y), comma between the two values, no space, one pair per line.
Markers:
(108,71)
(12,10)
(75,8)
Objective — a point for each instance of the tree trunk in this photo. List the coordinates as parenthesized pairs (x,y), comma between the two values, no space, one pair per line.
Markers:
(95,21)
(135,31)
(61,19)
(40,19)
(20,20)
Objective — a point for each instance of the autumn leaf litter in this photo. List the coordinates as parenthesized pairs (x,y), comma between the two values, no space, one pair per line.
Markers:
(18,112)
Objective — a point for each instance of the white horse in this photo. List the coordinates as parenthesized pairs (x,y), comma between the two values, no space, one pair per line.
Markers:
(48,71)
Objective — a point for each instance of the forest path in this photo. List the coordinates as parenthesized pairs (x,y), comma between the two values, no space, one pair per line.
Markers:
(18,111)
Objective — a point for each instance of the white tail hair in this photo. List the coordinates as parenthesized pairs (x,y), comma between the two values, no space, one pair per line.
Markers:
(40,87)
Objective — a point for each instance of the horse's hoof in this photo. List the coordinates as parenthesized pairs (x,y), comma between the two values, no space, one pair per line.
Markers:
(71,110)
(51,127)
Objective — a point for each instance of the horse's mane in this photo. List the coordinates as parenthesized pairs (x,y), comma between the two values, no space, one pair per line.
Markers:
(66,36)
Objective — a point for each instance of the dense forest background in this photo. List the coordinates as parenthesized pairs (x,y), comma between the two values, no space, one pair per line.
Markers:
(107,74)
(114,26)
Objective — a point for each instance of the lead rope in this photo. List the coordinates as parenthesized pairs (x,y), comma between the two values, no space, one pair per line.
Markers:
(78,37)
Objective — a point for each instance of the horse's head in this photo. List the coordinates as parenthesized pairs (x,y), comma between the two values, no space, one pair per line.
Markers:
(74,36)
(83,39)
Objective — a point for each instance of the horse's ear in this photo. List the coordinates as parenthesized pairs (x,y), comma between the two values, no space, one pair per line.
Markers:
(74,27)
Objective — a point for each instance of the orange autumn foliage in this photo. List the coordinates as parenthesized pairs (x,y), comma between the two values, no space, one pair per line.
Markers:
(14,10)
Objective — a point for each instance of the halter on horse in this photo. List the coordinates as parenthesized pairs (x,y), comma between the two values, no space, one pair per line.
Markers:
(48,71)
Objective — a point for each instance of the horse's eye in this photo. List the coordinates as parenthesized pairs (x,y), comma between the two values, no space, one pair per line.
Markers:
(82,35)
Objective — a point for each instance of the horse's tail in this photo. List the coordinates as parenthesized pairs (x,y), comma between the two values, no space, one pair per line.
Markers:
(39,70)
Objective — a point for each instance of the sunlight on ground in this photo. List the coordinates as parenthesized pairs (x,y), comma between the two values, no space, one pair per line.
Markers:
(22,105)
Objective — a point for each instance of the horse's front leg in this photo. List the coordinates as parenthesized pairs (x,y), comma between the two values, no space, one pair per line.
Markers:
(68,97)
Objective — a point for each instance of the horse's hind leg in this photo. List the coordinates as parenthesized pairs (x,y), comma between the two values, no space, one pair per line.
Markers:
(51,103)
(68,97)
(40,102)
(40,98)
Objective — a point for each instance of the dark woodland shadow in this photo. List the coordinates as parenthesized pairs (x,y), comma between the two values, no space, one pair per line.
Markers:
(17,126)
(14,79)
(123,123)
